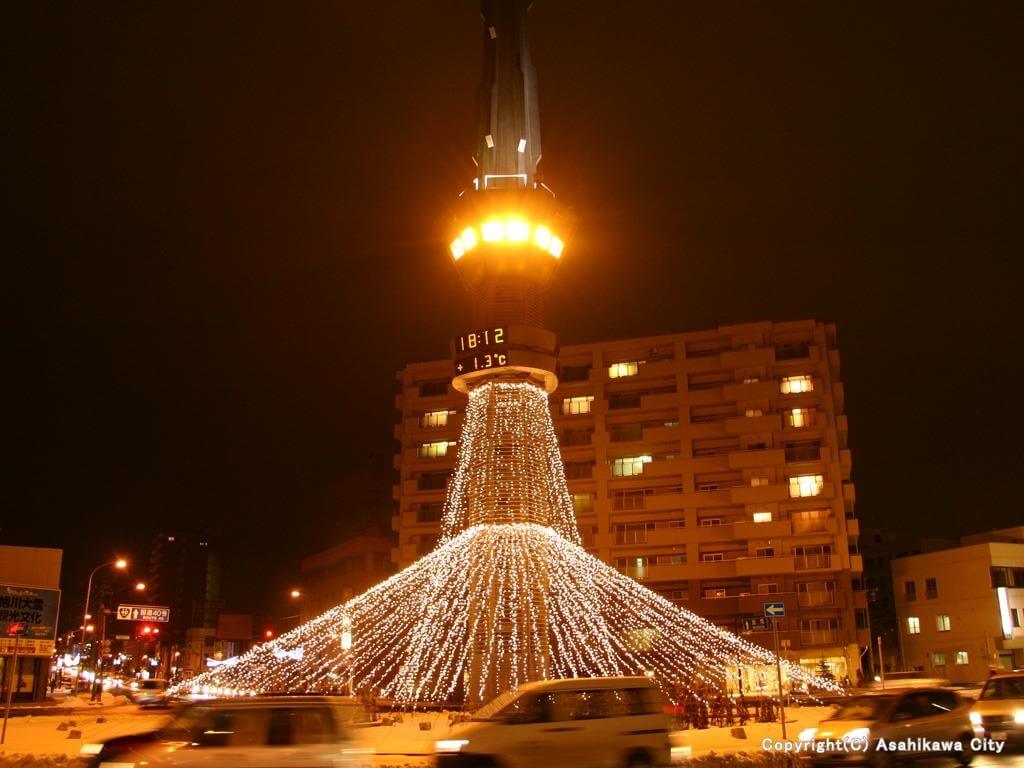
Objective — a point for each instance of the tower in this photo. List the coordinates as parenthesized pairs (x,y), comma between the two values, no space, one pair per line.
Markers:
(508,596)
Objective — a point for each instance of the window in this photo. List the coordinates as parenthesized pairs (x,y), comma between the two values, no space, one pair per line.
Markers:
(756,482)
(809,520)
(764,552)
(801,417)
(431,481)
(769,588)
(433,388)
(709,521)
(619,370)
(913,625)
(430,512)
(712,557)
(715,592)
(632,533)
(753,413)
(803,450)
(961,658)
(435,419)
(582,502)
(809,557)
(762,517)
(910,591)
(1015,617)
(931,588)
(750,379)
(802,486)
(575,406)
(794,385)
(942,622)
(792,350)
(938,659)
(578,470)
(630,465)
(435,449)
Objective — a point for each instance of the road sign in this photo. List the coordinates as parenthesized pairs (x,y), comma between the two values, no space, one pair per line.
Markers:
(144,613)
(775,610)
(16,629)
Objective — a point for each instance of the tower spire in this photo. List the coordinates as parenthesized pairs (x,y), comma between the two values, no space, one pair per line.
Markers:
(508,122)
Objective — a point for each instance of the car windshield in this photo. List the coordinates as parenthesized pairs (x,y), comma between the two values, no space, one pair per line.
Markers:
(151,685)
(1004,688)
(862,708)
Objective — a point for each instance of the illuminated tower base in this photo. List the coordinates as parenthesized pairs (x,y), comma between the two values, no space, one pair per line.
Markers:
(495,605)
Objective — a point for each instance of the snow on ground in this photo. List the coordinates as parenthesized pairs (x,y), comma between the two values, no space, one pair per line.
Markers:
(408,742)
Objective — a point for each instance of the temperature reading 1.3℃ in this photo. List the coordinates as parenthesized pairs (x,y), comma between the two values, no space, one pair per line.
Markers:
(480,362)
(486,337)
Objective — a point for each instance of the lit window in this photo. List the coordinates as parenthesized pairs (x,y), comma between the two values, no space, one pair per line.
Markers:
(522,145)
(794,385)
(757,481)
(542,236)
(619,370)
(582,502)
(630,465)
(938,659)
(751,380)
(494,231)
(913,625)
(575,406)
(435,449)
(802,486)
(752,413)
(762,517)
(942,622)
(801,417)
(960,657)
(435,419)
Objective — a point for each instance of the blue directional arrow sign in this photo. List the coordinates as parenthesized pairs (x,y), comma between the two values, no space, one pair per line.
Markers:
(775,610)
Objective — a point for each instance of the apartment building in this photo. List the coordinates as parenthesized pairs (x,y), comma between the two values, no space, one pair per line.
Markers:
(337,574)
(960,609)
(711,466)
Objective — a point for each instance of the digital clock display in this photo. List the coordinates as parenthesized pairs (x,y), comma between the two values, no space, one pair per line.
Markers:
(475,340)
(480,362)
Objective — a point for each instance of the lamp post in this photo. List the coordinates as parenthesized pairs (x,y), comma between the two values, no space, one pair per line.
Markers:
(120,563)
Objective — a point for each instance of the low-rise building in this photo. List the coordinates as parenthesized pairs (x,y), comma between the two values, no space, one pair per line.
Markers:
(960,609)
(29,605)
(335,575)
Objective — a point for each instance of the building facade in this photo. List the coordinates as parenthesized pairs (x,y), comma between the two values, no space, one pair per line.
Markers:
(29,607)
(879,547)
(960,609)
(712,466)
(333,576)
(185,575)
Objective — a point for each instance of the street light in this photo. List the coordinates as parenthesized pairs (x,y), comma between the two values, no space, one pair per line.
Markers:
(296,594)
(120,563)
(140,586)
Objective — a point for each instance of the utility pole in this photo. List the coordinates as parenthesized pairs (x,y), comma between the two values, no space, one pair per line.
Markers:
(881,662)
(778,673)
(17,630)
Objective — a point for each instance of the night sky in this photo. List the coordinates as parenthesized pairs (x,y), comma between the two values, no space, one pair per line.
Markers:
(224,242)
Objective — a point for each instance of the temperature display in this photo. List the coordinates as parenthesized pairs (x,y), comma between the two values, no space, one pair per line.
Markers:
(480,362)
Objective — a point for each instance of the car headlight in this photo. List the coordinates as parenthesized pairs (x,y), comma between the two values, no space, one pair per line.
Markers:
(90,749)
(1018,716)
(975,718)
(450,745)
(807,734)
(857,735)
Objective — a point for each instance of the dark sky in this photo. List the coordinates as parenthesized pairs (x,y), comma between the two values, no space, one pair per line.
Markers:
(224,241)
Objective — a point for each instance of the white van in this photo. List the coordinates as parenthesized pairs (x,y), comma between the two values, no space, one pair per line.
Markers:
(596,722)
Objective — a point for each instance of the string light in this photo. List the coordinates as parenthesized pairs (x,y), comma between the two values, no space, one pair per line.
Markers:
(508,596)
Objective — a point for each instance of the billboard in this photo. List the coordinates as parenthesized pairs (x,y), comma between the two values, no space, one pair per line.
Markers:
(34,607)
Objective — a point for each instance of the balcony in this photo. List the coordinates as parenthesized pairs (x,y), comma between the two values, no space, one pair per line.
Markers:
(748,358)
(770,530)
(817,562)
(816,599)
(745,425)
(759,494)
(764,566)
(772,457)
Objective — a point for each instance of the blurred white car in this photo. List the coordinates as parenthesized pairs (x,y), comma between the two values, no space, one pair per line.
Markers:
(148,693)
(261,732)
(596,722)
(999,711)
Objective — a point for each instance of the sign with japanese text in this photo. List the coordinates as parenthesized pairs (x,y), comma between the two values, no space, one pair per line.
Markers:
(143,613)
(34,608)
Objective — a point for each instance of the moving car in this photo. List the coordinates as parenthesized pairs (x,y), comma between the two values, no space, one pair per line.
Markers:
(911,722)
(597,722)
(296,731)
(148,693)
(999,711)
